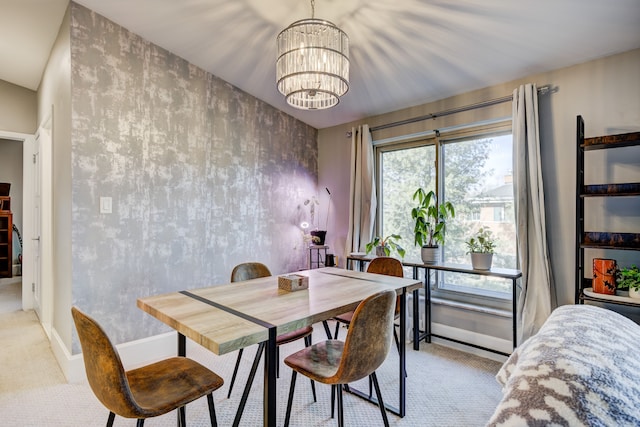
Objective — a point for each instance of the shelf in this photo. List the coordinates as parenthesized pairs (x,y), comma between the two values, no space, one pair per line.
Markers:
(603,240)
(597,239)
(6,247)
(5,203)
(589,295)
(612,141)
(611,190)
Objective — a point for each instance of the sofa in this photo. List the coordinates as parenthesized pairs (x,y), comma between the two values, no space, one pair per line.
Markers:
(581,369)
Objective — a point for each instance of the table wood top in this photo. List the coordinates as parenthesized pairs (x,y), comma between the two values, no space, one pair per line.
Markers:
(332,291)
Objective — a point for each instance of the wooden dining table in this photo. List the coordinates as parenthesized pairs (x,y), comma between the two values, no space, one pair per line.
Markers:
(228,317)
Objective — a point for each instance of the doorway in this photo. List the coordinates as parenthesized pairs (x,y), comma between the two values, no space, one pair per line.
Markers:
(11,210)
(36,164)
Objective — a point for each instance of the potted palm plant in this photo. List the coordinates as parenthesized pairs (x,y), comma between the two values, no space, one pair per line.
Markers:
(385,245)
(430,223)
(481,247)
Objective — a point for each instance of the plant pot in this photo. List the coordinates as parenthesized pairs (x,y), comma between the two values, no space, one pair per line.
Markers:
(430,254)
(481,261)
(380,251)
(320,234)
(634,293)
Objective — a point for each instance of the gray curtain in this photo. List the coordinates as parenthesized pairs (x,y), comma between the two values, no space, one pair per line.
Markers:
(362,196)
(534,303)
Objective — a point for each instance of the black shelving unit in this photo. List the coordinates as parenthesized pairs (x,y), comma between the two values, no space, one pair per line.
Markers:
(600,239)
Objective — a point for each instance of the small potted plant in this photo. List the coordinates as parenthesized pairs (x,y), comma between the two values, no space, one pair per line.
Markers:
(384,245)
(629,278)
(481,247)
(430,223)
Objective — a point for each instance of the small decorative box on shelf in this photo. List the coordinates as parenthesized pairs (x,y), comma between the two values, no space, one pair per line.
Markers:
(293,282)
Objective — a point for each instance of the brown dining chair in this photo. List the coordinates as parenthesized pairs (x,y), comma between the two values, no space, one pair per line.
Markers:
(145,392)
(381,265)
(254,270)
(338,363)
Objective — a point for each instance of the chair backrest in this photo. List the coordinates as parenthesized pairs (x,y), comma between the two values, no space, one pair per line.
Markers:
(368,338)
(248,271)
(386,265)
(104,368)
(389,267)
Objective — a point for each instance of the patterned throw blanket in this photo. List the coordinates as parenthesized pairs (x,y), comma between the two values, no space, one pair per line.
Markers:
(581,369)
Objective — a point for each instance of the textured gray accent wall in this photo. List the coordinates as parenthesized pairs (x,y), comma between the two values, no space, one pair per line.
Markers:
(203,176)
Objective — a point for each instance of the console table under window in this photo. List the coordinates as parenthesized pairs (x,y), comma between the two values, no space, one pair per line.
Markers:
(505,273)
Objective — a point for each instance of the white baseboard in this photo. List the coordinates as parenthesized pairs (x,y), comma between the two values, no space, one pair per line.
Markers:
(487,341)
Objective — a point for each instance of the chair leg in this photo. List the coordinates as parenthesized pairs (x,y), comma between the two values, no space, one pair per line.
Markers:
(333,399)
(112,417)
(327,330)
(335,335)
(395,336)
(277,361)
(140,422)
(212,410)
(383,410)
(247,387)
(287,417)
(313,391)
(182,417)
(307,343)
(235,372)
(340,407)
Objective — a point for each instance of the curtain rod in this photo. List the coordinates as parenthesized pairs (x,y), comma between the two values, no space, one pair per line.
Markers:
(542,90)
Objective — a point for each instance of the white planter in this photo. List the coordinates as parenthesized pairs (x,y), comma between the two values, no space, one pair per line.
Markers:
(481,261)
(634,293)
(430,254)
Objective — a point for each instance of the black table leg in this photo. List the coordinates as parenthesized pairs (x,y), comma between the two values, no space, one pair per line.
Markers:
(182,345)
(403,352)
(514,313)
(416,314)
(427,304)
(270,380)
(182,351)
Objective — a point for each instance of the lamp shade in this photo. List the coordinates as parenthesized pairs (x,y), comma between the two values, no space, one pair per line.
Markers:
(312,69)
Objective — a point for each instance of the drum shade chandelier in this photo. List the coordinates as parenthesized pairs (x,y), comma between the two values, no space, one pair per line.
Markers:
(312,70)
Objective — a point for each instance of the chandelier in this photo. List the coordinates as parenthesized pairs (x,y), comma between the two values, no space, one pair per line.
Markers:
(312,70)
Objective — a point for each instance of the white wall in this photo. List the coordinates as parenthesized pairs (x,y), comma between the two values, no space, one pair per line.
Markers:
(17,108)
(606,92)
(54,100)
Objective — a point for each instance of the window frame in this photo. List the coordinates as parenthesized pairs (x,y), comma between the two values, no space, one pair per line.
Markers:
(439,138)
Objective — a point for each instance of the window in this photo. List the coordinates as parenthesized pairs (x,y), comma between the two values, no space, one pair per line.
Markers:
(402,169)
(472,171)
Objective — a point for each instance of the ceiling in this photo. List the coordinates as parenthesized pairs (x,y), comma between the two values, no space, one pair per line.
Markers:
(403,52)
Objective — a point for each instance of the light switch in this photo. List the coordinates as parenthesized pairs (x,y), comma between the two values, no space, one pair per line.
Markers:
(105,205)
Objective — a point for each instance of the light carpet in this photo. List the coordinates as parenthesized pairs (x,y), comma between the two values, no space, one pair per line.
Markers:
(445,387)
(10,294)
